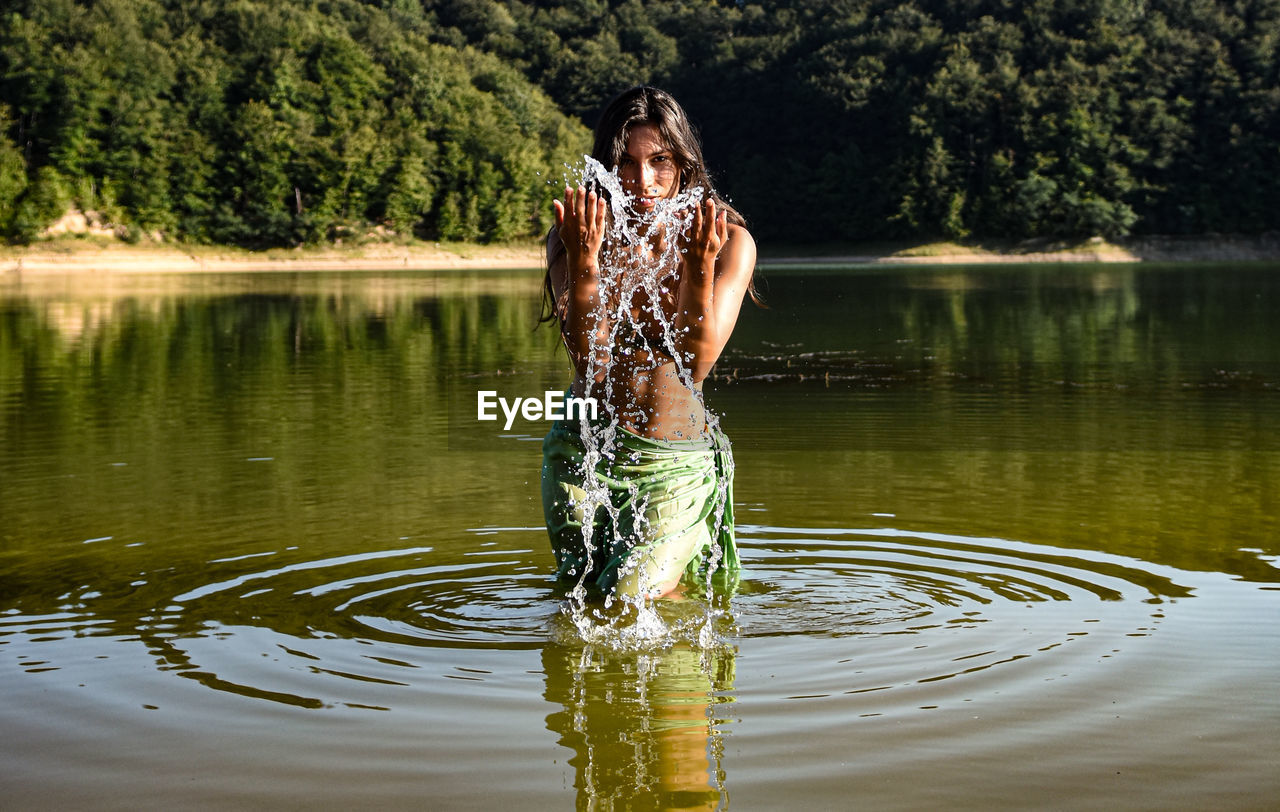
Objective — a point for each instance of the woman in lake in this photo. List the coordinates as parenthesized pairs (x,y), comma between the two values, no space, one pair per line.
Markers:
(646,291)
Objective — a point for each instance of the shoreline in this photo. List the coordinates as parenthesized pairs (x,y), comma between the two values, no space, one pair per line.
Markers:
(68,257)
(79,256)
(1207,248)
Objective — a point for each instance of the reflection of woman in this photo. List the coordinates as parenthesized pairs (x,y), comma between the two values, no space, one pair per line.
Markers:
(641,726)
(669,508)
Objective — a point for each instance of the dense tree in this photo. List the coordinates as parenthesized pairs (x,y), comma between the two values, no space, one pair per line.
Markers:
(268,123)
(856,119)
(290,121)
(13,172)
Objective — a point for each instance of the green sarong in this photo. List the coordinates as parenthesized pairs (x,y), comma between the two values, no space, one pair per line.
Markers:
(658,508)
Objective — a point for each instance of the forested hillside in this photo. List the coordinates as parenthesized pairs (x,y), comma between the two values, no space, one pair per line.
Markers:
(270,123)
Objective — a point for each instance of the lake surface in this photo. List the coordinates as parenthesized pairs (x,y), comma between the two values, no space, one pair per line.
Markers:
(1011,539)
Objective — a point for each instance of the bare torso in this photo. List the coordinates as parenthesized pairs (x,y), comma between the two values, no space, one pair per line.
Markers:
(642,386)
(631,354)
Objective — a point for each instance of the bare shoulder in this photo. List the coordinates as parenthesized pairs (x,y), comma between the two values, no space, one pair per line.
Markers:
(738,256)
(739,236)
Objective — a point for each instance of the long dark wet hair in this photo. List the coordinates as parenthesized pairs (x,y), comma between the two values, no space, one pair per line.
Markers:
(647,105)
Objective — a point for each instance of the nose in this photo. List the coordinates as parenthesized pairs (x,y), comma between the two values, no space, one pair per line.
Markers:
(646,178)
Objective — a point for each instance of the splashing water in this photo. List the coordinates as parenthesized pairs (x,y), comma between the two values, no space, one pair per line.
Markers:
(639,265)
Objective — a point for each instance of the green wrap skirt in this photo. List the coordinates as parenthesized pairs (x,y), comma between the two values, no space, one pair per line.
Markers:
(647,512)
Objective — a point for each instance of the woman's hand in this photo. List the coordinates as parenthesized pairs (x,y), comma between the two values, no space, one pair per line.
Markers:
(715,273)
(706,237)
(575,277)
(580,219)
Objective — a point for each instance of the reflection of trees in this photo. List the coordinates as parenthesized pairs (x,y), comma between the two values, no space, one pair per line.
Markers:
(1122,408)
(130,406)
(641,725)
(67,361)
(1012,327)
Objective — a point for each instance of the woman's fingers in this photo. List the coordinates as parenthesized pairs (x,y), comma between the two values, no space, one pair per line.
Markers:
(576,209)
(583,205)
(714,228)
(581,219)
(599,215)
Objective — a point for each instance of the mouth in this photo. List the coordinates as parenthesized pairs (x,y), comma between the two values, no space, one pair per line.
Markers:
(643,202)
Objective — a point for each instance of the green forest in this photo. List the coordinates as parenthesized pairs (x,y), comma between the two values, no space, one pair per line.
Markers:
(291,122)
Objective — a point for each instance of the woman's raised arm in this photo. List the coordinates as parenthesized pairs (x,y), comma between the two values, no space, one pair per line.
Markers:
(575,279)
(715,273)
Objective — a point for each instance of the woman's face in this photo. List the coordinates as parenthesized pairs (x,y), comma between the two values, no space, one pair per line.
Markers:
(648,168)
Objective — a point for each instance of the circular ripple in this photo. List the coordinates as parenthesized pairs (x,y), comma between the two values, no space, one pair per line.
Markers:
(915,608)
(919,609)
(354,630)
(809,581)
(488,598)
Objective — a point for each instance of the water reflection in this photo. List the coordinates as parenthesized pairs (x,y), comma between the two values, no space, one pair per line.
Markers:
(642,725)
(1037,514)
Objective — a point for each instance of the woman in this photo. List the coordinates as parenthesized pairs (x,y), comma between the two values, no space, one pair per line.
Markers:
(644,494)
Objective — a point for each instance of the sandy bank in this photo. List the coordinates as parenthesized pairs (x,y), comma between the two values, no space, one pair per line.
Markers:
(77,256)
(71,257)
(1211,248)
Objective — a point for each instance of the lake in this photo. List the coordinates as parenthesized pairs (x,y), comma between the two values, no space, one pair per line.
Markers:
(1010,537)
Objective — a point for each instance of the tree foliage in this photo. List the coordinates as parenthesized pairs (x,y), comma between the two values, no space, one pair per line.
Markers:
(269,123)
(868,119)
(302,120)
